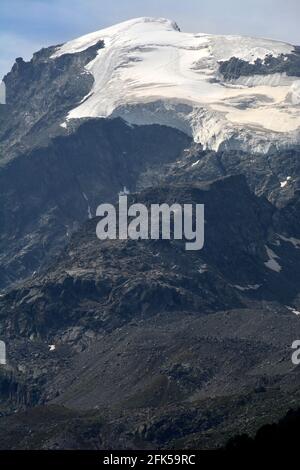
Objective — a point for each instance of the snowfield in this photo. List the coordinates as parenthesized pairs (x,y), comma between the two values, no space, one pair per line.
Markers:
(150,72)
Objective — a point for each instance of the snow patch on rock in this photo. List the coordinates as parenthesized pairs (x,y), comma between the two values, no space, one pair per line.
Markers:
(247,288)
(88,206)
(292,309)
(294,241)
(272,263)
(285,182)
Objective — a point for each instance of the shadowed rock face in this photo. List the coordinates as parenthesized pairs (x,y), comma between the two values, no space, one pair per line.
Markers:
(167,346)
(265,174)
(282,435)
(47,193)
(118,280)
(39,94)
(285,63)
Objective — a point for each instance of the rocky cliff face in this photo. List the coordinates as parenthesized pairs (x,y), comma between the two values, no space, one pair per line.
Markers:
(48,192)
(160,341)
(38,94)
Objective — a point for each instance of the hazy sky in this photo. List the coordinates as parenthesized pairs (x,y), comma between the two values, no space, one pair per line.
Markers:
(28,25)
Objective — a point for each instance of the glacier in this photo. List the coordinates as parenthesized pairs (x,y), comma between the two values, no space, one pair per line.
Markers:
(149,72)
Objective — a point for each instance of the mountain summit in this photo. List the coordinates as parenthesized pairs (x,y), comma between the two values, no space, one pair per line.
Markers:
(224,91)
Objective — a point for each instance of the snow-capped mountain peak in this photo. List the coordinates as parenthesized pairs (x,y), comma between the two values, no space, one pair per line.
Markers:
(225,91)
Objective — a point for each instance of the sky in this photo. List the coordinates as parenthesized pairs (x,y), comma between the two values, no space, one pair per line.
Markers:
(28,25)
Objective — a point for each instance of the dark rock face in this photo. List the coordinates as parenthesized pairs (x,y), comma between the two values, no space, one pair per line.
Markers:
(287,219)
(119,280)
(76,430)
(47,193)
(166,345)
(289,63)
(264,173)
(278,438)
(39,94)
